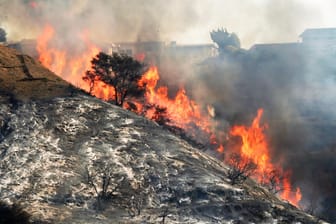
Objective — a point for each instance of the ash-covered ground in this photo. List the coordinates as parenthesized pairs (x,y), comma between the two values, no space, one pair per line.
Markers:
(56,153)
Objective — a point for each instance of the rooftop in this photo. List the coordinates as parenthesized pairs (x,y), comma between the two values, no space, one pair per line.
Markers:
(319,32)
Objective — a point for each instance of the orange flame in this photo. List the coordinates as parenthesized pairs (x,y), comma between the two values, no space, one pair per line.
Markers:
(255,148)
(181,111)
(294,197)
(220,149)
(68,65)
(254,145)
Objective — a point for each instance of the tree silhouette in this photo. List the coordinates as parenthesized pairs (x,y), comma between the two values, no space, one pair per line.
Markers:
(3,35)
(120,71)
(225,41)
(91,78)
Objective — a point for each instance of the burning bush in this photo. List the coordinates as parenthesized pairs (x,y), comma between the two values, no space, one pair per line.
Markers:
(241,168)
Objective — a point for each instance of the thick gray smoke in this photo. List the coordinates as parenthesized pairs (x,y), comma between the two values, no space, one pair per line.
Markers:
(295,85)
(186,21)
(117,20)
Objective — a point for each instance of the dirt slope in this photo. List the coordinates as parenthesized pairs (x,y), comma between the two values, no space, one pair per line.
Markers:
(24,78)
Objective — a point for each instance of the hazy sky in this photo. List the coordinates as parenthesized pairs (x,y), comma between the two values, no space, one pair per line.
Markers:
(184,21)
(258,21)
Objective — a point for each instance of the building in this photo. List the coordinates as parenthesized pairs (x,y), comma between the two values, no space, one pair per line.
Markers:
(194,52)
(319,40)
(150,51)
(284,48)
(155,51)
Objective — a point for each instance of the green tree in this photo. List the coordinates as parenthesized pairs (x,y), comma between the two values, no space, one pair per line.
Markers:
(120,71)
(3,35)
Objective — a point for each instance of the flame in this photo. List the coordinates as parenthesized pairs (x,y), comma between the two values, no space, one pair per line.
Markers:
(294,197)
(255,148)
(181,111)
(69,65)
(254,145)
(220,149)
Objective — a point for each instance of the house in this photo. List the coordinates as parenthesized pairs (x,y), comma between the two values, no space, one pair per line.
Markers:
(154,51)
(319,40)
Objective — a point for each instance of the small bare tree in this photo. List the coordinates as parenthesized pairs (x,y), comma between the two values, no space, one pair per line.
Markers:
(164,214)
(103,180)
(240,168)
(137,200)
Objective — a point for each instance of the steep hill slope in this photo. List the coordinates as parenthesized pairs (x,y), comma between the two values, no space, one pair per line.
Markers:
(70,158)
(24,78)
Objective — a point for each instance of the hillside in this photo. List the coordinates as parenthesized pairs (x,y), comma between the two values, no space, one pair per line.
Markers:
(25,79)
(59,147)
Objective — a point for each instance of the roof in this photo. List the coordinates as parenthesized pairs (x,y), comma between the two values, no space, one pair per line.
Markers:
(195,46)
(275,46)
(318,32)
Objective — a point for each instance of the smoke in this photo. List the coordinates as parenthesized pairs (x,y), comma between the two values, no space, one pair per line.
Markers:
(296,87)
(185,21)
(117,20)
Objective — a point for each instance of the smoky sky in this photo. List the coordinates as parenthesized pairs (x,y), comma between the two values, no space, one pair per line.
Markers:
(187,21)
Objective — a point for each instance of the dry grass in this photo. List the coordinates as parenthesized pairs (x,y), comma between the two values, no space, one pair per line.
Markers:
(32,81)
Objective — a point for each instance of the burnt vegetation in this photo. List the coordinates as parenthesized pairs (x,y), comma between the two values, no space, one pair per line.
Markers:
(240,168)
(103,181)
(114,189)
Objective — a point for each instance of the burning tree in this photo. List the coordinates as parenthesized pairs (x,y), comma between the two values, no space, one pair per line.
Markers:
(119,71)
